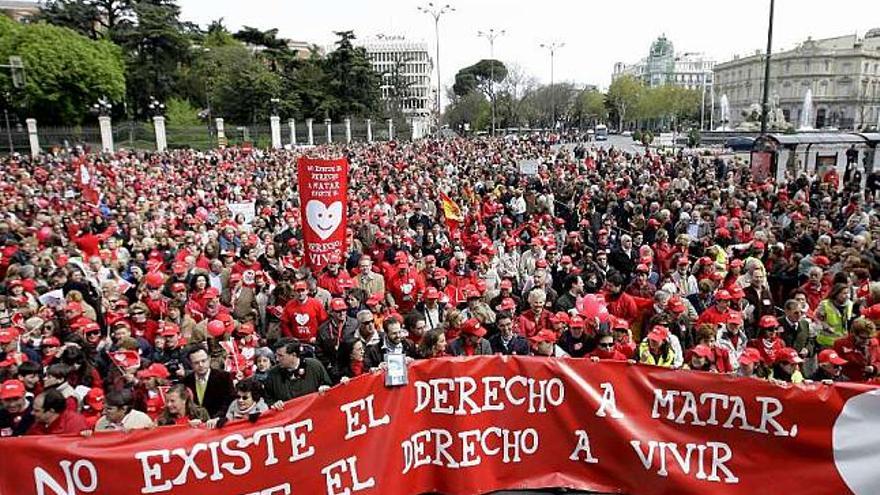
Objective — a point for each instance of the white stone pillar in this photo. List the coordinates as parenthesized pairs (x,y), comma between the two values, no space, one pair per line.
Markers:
(369,131)
(221,133)
(390,130)
(311,134)
(33,137)
(347,130)
(106,134)
(159,127)
(275,125)
(292,124)
(329,124)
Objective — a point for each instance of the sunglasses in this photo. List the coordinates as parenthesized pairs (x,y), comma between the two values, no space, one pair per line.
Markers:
(606,345)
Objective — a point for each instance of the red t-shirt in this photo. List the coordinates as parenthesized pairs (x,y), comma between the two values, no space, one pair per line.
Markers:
(301,320)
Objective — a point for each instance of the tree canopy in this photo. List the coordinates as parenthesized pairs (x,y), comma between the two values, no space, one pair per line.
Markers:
(66,72)
(133,50)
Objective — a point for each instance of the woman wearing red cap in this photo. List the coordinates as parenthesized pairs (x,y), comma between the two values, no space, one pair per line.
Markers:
(768,342)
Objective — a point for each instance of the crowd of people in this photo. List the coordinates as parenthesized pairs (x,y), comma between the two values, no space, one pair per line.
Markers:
(153,304)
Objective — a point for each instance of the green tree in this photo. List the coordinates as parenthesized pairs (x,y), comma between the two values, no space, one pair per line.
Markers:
(157,45)
(623,94)
(66,72)
(472,109)
(239,85)
(352,83)
(181,113)
(589,108)
(478,77)
(97,19)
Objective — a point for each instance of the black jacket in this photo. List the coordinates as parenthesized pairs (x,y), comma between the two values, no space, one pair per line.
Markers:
(283,384)
(518,345)
(219,392)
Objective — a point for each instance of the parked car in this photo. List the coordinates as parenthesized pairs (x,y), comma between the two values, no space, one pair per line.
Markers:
(626,133)
(740,143)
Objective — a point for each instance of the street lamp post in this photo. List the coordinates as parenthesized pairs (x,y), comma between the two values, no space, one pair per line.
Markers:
(552,47)
(436,12)
(765,98)
(491,35)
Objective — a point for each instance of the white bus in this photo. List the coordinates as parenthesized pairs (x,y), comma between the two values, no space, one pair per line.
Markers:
(601,133)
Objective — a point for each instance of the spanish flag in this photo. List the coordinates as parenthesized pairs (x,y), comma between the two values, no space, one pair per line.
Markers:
(451,212)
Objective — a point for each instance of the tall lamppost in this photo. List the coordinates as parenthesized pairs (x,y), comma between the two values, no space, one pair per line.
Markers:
(436,12)
(765,108)
(552,47)
(491,35)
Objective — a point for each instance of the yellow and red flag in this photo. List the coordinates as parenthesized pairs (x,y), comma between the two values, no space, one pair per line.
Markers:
(451,212)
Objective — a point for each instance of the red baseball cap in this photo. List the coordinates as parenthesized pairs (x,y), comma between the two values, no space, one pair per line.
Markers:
(507,304)
(735,317)
(750,355)
(768,321)
(170,329)
(12,389)
(440,273)
(722,295)
(334,259)
(178,287)
(758,245)
(871,312)
(432,293)
(659,333)
(301,285)
(473,327)
(541,264)
(736,263)
(830,356)
(787,355)
(50,342)
(543,336)
(337,304)
(676,305)
(736,292)
(577,321)
(155,370)
(211,293)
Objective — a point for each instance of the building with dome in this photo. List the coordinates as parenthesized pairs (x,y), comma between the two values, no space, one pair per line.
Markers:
(841,73)
(663,66)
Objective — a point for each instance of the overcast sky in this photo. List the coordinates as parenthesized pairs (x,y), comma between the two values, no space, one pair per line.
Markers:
(596,33)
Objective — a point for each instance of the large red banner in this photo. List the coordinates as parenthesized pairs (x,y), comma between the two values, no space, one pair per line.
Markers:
(472,425)
(323,196)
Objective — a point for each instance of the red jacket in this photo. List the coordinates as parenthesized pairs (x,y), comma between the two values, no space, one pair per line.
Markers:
(528,325)
(67,422)
(857,359)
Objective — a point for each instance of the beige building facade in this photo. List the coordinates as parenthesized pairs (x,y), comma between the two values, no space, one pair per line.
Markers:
(841,73)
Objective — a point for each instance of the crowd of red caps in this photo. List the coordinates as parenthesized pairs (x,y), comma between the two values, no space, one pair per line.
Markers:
(157,305)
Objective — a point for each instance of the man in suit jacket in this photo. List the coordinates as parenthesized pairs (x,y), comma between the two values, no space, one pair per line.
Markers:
(506,341)
(211,389)
(392,341)
(471,341)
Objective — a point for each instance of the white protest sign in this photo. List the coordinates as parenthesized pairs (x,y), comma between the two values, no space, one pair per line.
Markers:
(248,209)
(528,167)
